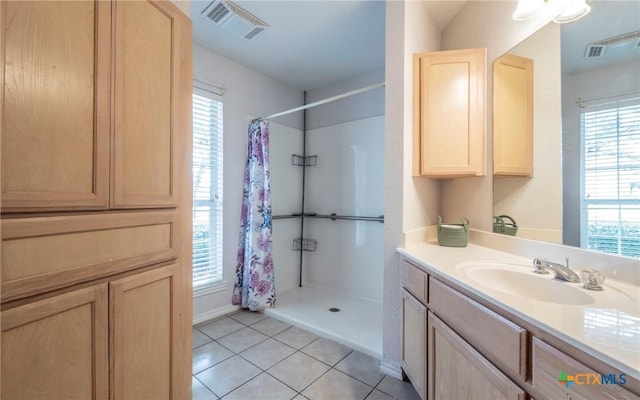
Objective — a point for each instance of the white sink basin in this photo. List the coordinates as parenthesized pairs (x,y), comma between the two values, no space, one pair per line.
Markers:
(521,281)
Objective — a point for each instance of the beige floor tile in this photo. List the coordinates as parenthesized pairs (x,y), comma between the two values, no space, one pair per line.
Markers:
(295,337)
(378,395)
(220,327)
(268,353)
(262,387)
(228,375)
(200,391)
(397,389)
(361,366)
(336,385)
(200,338)
(208,355)
(248,317)
(241,340)
(327,351)
(298,371)
(270,326)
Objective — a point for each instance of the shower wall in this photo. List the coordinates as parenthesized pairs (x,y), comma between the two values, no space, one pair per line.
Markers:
(286,199)
(347,180)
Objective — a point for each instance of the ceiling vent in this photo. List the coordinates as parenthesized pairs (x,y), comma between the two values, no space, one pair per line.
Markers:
(629,40)
(234,18)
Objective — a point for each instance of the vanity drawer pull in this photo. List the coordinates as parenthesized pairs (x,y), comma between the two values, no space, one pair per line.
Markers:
(415,281)
(497,338)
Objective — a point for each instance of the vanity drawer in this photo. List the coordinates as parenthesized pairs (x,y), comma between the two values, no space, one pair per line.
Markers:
(500,340)
(549,363)
(415,281)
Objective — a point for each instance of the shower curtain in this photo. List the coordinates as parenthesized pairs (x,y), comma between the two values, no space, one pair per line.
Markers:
(255,279)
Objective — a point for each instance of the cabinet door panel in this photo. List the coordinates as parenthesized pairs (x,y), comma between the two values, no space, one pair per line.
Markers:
(449,113)
(513,116)
(414,342)
(57,348)
(144,112)
(549,363)
(458,371)
(144,332)
(55,125)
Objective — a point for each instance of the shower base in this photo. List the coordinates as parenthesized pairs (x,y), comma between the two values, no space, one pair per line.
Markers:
(357,324)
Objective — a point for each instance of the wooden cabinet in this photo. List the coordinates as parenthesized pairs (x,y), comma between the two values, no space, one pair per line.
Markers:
(585,383)
(83,116)
(55,125)
(513,116)
(458,371)
(449,111)
(145,336)
(96,199)
(414,342)
(473,352)
(57,348)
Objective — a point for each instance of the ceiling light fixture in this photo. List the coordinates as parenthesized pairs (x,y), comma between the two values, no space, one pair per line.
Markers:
(576,10)
(527,9)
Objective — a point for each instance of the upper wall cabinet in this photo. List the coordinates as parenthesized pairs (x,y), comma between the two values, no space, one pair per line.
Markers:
(513,116)
(55,108)
(449,110)
(90,104)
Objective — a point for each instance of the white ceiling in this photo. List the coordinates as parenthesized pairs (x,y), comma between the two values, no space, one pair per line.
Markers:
(315,43)
(309,44)
(606,19)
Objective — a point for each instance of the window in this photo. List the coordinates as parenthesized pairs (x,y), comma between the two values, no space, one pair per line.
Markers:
(207,188)
(611,179)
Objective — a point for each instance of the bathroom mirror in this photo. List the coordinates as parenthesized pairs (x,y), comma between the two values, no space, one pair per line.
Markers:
(547,206)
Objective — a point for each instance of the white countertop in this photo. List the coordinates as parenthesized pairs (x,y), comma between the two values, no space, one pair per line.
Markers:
(608,328)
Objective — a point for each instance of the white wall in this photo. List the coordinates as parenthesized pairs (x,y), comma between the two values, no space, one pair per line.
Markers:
(249,94)
(409,203)
(536,203)
(587,85)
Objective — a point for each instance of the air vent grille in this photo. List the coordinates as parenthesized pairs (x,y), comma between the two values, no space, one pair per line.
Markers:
(628,40)
(218,12)
(234,19)
(595,50)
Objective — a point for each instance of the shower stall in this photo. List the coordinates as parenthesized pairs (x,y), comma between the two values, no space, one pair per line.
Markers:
(327,205)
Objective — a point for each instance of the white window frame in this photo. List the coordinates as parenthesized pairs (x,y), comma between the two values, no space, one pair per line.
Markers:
(619,202)
(215,201)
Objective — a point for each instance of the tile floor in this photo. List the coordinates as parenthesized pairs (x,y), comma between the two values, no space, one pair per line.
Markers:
(249,356)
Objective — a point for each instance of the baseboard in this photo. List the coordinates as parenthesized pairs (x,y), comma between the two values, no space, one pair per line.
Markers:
(215,313)
(391,370)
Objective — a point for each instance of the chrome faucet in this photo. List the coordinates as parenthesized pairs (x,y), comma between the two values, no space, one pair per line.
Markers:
(543,266)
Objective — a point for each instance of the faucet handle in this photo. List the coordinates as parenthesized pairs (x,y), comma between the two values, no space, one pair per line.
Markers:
(540,265)
(592,279)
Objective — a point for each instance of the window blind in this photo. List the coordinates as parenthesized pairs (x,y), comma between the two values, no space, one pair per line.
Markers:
(611,180)
(207,188)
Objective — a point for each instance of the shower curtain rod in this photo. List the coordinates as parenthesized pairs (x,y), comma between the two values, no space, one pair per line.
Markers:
(319,102)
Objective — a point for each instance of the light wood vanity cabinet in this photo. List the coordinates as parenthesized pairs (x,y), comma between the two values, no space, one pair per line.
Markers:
(88,125)
(549,362)
(458,371)
(449,98)
(96,199)
(513,116)
(473,352)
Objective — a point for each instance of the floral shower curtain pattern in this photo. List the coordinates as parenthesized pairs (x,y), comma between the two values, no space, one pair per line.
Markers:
(255,278)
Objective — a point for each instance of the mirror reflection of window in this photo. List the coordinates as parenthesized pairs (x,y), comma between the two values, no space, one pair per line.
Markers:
(610,211)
